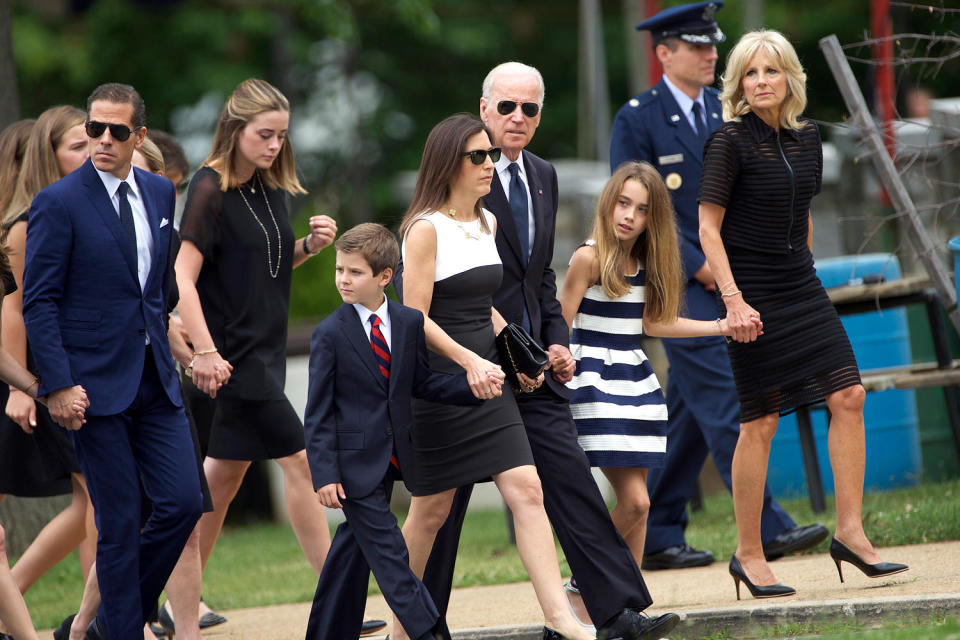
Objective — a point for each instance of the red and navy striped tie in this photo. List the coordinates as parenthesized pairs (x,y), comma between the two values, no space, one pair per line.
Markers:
(381,352)
(380,349)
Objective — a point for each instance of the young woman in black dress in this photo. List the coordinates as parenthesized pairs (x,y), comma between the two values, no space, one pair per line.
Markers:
(233,270)
(761,169)
(38,456)
(451,271)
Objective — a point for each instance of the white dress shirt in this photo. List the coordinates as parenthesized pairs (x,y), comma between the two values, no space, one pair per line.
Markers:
(140,220)
(384,320)
(503,172)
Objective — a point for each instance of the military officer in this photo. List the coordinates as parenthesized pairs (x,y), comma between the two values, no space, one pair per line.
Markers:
(667,126)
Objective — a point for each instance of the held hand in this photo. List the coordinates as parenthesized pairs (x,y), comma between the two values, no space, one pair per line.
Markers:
(22,409)
(481,376)
(210,372)
(529,384)
(705,277)
(63,404)
(562,363)
(743,321)
(323,229)
(179,342)
(331,494)
(727,332)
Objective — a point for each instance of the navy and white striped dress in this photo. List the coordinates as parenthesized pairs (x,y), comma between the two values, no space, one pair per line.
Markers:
(617,403)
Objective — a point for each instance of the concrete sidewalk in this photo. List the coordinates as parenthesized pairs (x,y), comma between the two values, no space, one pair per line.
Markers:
(704,597)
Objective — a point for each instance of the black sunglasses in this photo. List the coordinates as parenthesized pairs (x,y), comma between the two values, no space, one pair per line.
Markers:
(478,156)
(118,131)
(506,107)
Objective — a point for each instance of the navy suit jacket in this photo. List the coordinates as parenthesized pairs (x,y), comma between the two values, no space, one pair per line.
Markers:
(651,127)
(533,285)
(353,416)
(85,314)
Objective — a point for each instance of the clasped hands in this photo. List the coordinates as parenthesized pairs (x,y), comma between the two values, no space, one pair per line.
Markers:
(742,323)
(68,406)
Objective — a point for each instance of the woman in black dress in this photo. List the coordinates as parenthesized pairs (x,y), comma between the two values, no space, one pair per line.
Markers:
(761,169)
(234,270)
(451,271)
(38,458)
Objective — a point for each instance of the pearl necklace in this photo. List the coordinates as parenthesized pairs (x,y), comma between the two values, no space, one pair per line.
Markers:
(271,269)
(469,235)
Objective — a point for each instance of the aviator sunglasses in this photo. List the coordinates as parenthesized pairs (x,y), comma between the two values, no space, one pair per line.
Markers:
(119,132)
(506,107)
(478,156)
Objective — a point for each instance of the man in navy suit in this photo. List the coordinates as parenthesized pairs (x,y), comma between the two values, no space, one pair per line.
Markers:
(667,126)
(95,282)
(523,197)
(367,359)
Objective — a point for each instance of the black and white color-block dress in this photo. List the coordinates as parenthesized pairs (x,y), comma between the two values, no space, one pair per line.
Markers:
(455,446)
(617,403)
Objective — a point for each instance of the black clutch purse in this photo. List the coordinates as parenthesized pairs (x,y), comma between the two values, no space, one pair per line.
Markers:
(519,353)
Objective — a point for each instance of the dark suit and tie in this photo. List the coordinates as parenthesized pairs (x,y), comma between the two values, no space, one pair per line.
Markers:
(357,426)
(95,306)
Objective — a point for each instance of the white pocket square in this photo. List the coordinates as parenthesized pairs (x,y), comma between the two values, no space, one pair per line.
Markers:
(164,223)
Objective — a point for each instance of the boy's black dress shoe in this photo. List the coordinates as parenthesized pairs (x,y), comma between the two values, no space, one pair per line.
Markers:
(795,539)
(371,626)
(63,631)
(681,556)
(634,625)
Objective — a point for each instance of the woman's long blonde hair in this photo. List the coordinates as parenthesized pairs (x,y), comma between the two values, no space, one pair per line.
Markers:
(656,249)
(779,49)
(40,168)
(251,98)
(13,144)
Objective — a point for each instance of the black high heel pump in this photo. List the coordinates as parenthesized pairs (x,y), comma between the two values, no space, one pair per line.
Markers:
(757,591)
(841,552)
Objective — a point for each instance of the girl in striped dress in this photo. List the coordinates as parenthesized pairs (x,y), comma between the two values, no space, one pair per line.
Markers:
(624,282)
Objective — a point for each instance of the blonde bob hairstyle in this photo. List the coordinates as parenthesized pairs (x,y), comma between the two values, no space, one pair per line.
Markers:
(656,249)
(251,98)
(40,168)
(784,56)
(152,155)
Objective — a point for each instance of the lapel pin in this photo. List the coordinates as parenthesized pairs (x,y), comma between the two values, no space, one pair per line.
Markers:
(540,192)
(674,118)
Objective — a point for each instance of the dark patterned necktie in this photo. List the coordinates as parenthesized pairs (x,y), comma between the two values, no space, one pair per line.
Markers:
(698,120)
(380,349)
(518,203)
(126,220)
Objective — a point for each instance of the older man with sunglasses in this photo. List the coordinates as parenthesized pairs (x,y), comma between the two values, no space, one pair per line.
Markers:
(96,282)
(524,199)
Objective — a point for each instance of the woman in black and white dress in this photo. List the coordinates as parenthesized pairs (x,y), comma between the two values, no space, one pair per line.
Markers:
(451,271)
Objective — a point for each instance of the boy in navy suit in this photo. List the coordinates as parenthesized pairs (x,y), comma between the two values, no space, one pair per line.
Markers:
(367,359)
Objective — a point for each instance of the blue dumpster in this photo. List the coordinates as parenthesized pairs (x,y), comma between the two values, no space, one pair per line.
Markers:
(879,339)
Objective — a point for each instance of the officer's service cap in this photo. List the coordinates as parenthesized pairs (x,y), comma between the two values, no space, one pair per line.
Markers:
(691,23)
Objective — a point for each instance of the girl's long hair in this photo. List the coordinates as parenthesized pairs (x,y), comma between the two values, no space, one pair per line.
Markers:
(251,98)
(13,144)
(40,168)
(657,248)
(442,159)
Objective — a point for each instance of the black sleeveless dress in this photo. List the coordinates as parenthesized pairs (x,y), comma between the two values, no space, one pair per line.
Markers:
(456,446)
(244,289)
(766,179)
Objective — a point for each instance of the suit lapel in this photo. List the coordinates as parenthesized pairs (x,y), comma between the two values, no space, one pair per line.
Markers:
(536,195)
(676,119)
(357,336)
(398,329)
(714,111)
(153,219)
(496,201)
(97,193)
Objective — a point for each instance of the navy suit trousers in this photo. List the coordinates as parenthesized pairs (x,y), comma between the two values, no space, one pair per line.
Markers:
(147,445)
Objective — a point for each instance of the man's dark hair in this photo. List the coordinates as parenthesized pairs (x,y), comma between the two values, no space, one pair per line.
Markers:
(121,94)
(374,242)
(670,43)
(173,156)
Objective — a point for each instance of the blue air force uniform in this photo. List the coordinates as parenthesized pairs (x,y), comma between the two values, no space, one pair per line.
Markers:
(701,396)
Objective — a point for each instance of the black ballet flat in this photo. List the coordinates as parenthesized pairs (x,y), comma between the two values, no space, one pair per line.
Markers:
(63,631)
(757,591)
(842,553)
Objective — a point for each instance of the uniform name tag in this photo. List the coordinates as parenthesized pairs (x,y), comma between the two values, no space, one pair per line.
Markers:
(671,159)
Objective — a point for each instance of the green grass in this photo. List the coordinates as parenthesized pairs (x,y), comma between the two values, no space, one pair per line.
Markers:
(261,564)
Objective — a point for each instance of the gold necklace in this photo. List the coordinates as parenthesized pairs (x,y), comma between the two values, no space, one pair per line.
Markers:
(469,235)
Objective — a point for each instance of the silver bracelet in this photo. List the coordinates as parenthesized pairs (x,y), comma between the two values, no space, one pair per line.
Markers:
(731,294)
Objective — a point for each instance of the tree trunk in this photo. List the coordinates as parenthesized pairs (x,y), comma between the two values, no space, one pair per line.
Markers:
(9,98)
(22,519)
